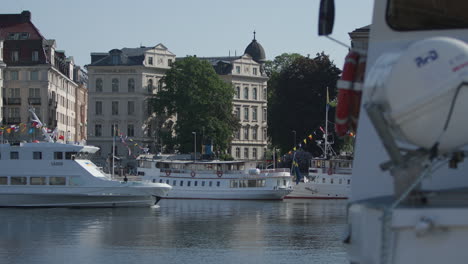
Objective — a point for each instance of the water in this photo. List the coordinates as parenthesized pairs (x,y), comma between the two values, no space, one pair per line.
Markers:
(178,231)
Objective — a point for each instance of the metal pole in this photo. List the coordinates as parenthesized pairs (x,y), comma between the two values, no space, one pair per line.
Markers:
(294,132)
(194,146)
(113,151)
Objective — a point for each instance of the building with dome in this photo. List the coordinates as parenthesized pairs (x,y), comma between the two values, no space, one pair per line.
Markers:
(246,74)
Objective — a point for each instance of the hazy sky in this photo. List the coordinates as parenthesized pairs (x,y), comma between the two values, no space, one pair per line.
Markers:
(198,27)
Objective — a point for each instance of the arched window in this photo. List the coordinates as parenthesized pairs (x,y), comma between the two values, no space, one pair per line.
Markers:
(99,85)
(246,132)
(254,93)
(131,85)
(238,92)
(246,92)
(237,152)
(150,85)
(115,85)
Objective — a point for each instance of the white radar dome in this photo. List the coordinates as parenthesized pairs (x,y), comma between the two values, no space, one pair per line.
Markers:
(424,91)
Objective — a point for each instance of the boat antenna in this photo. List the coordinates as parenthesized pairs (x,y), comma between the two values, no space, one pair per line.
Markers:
(39,124)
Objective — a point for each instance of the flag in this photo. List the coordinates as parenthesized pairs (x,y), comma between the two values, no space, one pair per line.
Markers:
(310,137)
(31,130)
(296,170)
(61,137)
(323,131)
(305,141)
(294,148)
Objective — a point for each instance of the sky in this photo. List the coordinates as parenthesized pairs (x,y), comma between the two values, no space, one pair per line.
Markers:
(205,28)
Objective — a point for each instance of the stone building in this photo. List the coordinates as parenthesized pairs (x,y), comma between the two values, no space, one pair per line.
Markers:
(37,75)
(247,76)
(120,83)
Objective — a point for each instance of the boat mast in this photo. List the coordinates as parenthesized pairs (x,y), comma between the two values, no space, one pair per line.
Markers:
(326,127)
(113,152)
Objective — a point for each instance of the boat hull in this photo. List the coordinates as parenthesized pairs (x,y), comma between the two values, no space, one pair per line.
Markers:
(313,190)
(226,194)
(75,200)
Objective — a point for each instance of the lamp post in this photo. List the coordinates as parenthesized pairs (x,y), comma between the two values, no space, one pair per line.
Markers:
(294,132)
(194,146)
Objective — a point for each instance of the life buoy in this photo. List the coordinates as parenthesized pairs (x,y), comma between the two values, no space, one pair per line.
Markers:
(347,97)
(168,172)
(356,93)
(219,173)
(192,174)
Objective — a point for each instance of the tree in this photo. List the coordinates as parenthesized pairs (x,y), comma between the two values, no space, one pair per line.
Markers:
(201,103)
(298,102)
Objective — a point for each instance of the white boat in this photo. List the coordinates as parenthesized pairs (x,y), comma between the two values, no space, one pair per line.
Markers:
(326,179)
(214,179)
(409,201)
(51,174)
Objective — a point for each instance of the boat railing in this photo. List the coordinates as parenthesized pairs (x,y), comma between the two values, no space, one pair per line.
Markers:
(227,172)
(275,170)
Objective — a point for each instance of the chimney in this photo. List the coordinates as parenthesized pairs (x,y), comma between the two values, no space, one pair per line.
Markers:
(25,16)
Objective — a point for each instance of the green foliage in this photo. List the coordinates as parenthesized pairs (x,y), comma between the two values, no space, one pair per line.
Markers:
(297,100)
(202,103)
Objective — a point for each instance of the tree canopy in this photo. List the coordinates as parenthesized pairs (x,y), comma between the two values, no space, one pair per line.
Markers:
(201,103)
(297,100)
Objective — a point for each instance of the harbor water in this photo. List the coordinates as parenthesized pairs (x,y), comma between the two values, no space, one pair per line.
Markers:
(178,231)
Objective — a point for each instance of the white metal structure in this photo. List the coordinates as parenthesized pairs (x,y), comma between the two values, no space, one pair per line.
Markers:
(409,193)
(48,174)
(214,179)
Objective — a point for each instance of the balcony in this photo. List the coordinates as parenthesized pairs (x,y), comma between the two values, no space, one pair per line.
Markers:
(12,120)
(13,101)
(34,100)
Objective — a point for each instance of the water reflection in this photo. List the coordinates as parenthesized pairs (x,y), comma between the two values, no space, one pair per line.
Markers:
(179,231)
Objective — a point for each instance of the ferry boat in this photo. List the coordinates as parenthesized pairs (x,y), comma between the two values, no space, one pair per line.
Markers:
(215,179)
(52,174)
(326,179)
(409,202)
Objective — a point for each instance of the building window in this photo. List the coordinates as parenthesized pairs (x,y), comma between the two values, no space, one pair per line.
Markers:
(246,133)
(264,134)
(14,56)
(246,113)
(237,134)
(98,130)
(254,114)
(238,69)
(150,86)
(34,93)
(114,130)
(246,92)
(98,108)
(115,59)
(115,85)
(131,130)
(254,70)
(131,107)
(14,75)
(238,92)
(254,153)
(264,114)
(99,85)
(115,107)
(35,55)
(169,62)
(254,93)
(150,60)
(264,94)
(254,133)
(246,153)
(131,85)
(237,152)
(237,112)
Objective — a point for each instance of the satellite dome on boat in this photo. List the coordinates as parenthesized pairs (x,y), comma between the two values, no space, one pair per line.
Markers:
(256,51)
(424,90)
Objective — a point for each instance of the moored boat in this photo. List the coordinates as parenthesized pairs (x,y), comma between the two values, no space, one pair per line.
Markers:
(215,179)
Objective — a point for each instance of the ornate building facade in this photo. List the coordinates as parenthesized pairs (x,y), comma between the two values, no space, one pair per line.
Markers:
(37,75)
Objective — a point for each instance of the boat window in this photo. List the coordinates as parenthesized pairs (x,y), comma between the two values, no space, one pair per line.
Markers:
(37,155)
(252,183)
(57,180)
(75,181)
(425,15)
(3,180)
(195,183)
(211,183)
(14,155)
(284,182)
(218,183)
(188,183)
(234,184)
(68,155)
(323,180)
(37,181)
(181,183)
(58,155)
(174,182)
(19,180)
